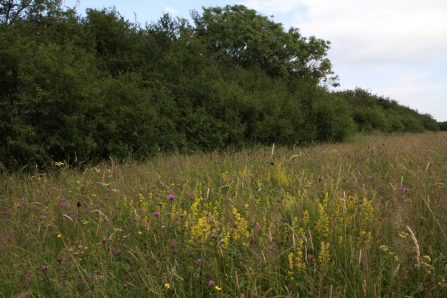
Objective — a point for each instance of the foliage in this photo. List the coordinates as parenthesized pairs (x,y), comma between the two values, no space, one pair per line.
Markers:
(84,89)
(373,112)
(239,36)
(334,220)
(15,11)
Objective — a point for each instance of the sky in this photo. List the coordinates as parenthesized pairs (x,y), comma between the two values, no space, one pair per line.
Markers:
(393,48)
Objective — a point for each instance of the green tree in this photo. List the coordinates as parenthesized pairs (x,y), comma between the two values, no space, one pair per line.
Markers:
(12,11)
(240,36)
(429,123)
(49,107)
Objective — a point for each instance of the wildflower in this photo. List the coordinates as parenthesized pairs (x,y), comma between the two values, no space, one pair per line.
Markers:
(212,283)
(117,252)
(338,272)
(156,213)
(310,256)
(213,236)
(217,288)
(139,232)
(59,235)
(27,276)
(199,261)
(45,269)
(167,286)
(172,197)
(63,205)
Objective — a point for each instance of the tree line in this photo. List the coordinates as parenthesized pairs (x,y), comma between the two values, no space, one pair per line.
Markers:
(87,88)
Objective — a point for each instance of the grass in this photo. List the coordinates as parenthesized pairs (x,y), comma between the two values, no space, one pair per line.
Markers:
(362,219)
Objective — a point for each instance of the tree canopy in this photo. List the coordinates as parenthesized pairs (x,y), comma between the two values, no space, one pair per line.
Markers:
(240,36)
(84,89)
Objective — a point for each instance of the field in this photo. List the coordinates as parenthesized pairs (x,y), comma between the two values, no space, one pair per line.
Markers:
(360,219)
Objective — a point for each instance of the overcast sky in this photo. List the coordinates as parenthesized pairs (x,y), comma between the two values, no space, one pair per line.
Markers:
(394,48)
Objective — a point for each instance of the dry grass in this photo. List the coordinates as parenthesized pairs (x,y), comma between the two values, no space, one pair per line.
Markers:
(328,221)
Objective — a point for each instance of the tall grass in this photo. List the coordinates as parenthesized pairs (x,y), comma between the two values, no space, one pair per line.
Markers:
(349,220)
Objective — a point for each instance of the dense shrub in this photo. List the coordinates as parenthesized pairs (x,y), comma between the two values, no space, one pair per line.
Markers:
(87,89)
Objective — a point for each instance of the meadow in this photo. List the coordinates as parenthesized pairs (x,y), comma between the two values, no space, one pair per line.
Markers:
(359,219)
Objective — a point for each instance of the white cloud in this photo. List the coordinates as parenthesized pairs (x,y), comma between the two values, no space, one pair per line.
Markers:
(171,10)
(395,48)
(381,31)
(418,91)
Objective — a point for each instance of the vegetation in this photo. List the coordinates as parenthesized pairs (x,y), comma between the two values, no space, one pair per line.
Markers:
(97,198)
(361,219)
(84,89)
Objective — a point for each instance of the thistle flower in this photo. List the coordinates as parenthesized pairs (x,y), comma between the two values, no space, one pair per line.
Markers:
(172,197)
(156,213)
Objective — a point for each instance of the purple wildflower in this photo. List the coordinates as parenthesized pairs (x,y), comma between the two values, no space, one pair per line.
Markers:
(63,205)
(199,261)
(156,213)
(172,197)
